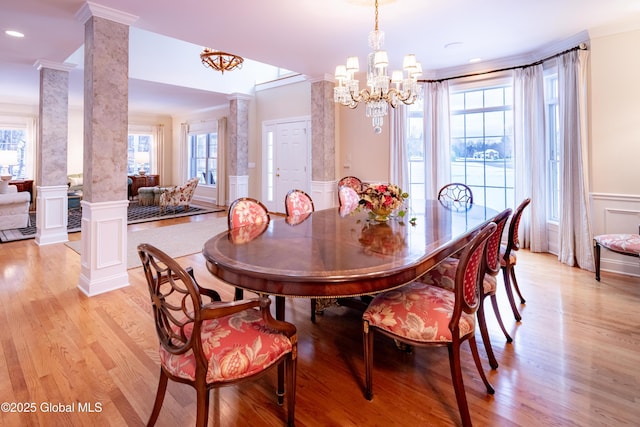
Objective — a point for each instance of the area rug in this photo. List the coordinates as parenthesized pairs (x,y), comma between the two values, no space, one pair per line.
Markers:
(176,240)
(135,214)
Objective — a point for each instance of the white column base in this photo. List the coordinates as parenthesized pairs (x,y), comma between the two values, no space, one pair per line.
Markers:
(103,265)
(238,187)
(51,215)
(324,194)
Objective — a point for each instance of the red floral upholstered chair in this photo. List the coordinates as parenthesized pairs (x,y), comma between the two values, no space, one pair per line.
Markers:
(444,275)
(297,203)
(423,315)
(349,199)
(625,244)
(209,344)
(508,258)
(180,195)
(246,211)
(351,181)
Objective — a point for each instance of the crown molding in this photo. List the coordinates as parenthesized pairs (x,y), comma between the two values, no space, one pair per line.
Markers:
(60,66)
(90,9)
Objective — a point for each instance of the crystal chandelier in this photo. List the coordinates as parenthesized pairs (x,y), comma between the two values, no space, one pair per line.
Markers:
(220,61)
(381,90)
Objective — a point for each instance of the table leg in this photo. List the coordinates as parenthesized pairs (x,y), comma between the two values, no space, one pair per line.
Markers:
(280,316)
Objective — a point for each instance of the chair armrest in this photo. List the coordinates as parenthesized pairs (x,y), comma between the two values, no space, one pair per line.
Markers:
(215,296)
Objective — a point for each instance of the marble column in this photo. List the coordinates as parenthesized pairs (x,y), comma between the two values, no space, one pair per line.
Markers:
(106,106)
(323,145)
(51,173)
(238,148)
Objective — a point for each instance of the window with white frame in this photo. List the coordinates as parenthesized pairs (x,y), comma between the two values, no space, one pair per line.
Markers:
(203,157)
(481,121)
(16,148)
(140,153)
(552,118)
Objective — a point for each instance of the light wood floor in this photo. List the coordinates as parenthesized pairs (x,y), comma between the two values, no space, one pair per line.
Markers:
(574,361)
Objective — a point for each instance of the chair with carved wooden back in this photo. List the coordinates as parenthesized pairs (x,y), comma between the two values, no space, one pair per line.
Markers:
(297,202)
(456,195)
(210,344)
(423,315)
(246,211)
(444,275)
(351,181)
(508,258)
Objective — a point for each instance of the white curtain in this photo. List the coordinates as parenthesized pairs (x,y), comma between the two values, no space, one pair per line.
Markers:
(158,150)
(221,178)
(184,144)
(398,155)
(436,137)
(529,134)
(575,247)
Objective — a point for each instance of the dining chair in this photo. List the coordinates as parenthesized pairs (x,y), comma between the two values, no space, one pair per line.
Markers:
(423,315)
(444,275)
(508,258)
(348,199)
(210,344)
(625,244)
(297,202)
(456,195)
(246,211)
(351,181)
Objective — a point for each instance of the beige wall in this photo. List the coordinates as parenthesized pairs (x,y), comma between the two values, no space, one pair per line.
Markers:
(615,114)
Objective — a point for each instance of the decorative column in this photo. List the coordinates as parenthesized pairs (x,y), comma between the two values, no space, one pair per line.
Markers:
(323,145)
(238,148)
(51,174)
(106,107)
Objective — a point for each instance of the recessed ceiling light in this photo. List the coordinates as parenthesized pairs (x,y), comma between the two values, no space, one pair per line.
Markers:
(14,33)
(473,60)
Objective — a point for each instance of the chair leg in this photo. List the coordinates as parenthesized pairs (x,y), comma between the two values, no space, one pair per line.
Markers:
(507,285)
(157,405)
(202,411)
(515,285)
(597,260)
(482,324)
(291,366)
(476,359)
(239,294)
(313,310)
(494,303)
(367,338)
(458,384)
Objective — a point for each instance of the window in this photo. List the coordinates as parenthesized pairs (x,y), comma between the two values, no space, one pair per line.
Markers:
(14,152)
(553,144)
(482,143)
(203,157)
(139,152)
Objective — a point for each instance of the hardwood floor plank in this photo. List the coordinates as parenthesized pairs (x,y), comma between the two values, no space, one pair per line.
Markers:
(573,361)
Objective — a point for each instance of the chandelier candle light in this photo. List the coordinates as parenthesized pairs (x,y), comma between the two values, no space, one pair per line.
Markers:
(381,90)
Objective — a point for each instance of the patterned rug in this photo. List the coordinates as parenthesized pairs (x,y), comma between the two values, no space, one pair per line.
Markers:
(135,214)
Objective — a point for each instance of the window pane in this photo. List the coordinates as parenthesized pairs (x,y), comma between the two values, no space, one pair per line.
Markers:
(474,124)
(473,99)
(494,97)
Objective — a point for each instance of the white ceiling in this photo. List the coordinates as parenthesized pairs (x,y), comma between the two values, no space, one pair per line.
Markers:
(309,37)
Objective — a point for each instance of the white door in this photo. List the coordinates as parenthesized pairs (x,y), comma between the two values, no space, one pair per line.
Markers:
(287,161)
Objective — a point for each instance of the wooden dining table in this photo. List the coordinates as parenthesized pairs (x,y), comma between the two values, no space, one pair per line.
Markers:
(330,254)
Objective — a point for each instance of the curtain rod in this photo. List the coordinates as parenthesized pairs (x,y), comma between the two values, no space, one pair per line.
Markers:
(581,46)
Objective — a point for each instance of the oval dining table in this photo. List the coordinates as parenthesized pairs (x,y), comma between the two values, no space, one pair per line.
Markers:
(332,254)
(329,253)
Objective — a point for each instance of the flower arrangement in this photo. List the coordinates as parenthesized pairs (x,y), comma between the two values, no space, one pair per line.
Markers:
(382,199)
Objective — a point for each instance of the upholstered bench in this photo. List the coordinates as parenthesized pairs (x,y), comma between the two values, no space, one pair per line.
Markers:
(625,244)
(150,196)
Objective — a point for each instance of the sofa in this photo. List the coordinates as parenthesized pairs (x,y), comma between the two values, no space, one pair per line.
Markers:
(75,182)
(14,208)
